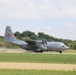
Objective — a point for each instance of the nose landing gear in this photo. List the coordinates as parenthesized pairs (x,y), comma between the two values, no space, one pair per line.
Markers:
(60,51)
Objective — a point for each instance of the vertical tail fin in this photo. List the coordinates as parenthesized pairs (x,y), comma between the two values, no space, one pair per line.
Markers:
(9,36)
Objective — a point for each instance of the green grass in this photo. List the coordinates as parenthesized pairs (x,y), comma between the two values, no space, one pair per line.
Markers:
(38,58)
(35,72)
(69,51)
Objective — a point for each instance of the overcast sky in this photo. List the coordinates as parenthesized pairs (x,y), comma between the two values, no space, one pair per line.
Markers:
(54,17)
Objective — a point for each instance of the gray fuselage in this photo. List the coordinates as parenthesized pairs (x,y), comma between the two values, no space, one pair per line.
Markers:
(51,46)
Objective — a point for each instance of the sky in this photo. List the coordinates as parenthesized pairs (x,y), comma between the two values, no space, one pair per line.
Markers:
(54,17)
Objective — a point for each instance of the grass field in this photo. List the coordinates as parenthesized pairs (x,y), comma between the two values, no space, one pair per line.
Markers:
(39,58)
(35,72)
(69,51)
(8,50)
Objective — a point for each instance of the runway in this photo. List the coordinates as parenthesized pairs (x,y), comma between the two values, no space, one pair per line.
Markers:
(37,66)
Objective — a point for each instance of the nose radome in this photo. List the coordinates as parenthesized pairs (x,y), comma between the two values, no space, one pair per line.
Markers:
(67,47)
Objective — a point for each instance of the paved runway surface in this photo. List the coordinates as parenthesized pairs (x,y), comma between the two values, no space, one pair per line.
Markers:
(37,66)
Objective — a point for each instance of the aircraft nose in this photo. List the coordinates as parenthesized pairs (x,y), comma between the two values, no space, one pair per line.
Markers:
(67,47)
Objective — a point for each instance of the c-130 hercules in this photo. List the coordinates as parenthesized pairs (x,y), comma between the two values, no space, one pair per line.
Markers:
(34,45)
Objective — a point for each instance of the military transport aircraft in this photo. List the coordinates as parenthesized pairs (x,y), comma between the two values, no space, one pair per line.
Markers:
(34,45)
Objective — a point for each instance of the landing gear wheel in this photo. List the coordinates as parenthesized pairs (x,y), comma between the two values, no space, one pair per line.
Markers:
(60,51)
(38,51)
(41,51)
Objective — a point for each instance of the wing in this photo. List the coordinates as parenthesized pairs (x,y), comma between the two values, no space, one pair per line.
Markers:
(35,43)
(31,41)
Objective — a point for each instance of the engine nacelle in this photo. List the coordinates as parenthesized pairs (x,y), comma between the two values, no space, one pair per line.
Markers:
(38,41)
(41,49)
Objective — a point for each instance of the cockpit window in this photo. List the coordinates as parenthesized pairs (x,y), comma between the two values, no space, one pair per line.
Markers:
(62,46)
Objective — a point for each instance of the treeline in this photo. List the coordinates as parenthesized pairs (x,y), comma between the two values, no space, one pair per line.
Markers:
(28,34)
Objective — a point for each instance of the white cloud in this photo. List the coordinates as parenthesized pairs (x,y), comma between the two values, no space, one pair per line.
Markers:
(29,9)
(47,30)
(70,25)
(67,31)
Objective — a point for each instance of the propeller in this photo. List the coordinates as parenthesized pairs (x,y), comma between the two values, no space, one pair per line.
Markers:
(44,42)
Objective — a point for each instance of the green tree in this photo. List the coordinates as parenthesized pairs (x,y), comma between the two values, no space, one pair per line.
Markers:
(30,34)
